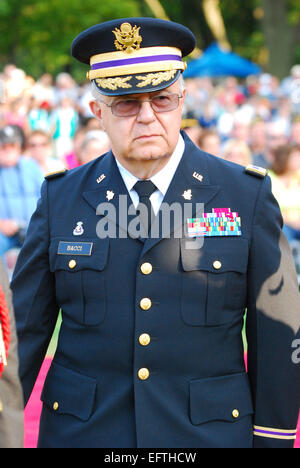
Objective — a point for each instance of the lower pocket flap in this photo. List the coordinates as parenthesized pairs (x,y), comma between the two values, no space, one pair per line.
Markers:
(67,392)
(225,398)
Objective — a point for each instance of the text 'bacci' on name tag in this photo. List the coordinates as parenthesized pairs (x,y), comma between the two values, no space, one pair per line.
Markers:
(75,248)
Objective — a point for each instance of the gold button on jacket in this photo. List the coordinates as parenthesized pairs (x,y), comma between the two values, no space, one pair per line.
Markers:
(72,264)
(217,265)
(146,268)
(145,303)
(144,339)
(143,373)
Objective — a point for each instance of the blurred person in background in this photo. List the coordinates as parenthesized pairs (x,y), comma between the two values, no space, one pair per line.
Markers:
(38,116)
(15,81)
(275,137)
(290,87)
(65,87)
(240,130)
(285,175)
(95,143)
(225,120)
(257,140)
(20,183)
(16,113)
(191,127)
(237,151)
(71,160)
(282,114)
(43,91)
(295,130)
(64,123)
(11,395)
(210,142)
(39,148)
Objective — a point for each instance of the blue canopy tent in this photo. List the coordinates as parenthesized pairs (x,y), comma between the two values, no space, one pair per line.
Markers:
(217,62)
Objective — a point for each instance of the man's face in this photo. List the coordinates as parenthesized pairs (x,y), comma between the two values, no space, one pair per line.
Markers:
(144,137)
(9,154)
(38,147)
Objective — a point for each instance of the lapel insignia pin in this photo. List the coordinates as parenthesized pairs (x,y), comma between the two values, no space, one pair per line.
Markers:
(109,195)
(187,194)
(102,177)
(198,176)
(78,231)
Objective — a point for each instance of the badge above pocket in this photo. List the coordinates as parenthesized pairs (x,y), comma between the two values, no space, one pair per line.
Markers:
(81,255)
(79,269)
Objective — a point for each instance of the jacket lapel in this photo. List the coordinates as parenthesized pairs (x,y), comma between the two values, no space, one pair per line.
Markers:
(111,201)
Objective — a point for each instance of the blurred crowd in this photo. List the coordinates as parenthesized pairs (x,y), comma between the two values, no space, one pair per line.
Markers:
(46,125)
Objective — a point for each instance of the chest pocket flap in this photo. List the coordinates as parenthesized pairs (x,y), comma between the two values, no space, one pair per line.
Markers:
(214,281)
(92,256)
(80,272)
(230,252)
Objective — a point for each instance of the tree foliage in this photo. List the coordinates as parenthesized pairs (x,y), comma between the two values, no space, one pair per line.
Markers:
(36,34)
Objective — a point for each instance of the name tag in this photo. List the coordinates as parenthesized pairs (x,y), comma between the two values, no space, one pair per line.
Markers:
(75,248)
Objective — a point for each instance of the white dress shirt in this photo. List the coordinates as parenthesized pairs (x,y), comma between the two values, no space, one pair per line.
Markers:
(161,180)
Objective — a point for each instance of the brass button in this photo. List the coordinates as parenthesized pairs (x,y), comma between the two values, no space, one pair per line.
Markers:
(144,339)
(72,264)
(143,373)
(146,268)
(235,413)
(217,265)
(145,303)
(55,406)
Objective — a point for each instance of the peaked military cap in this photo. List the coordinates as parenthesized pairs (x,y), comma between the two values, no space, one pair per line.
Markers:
(134,55)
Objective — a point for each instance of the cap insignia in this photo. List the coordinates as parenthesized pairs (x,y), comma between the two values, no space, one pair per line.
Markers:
(128,38)
(155,78)
(114,83)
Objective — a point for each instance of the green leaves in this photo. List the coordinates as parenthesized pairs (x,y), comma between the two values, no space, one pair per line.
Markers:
(36,35)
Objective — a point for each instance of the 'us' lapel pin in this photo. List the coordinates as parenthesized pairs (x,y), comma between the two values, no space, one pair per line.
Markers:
(198,176)
(102,177)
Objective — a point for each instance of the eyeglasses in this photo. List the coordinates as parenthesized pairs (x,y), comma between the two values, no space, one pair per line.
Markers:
(131,107)
(37,144)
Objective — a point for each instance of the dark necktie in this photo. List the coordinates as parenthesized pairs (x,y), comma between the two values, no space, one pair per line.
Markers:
(144,189)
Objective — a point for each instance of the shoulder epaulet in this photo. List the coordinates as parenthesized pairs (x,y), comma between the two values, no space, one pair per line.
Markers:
(53,175)
(256,171)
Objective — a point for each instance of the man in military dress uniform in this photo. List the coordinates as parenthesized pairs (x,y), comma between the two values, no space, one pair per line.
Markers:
(150,350)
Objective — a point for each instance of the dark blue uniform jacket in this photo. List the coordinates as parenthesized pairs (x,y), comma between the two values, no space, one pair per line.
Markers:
(194,391)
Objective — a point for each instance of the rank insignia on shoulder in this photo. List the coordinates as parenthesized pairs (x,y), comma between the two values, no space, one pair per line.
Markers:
(256,170)
(53,175)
